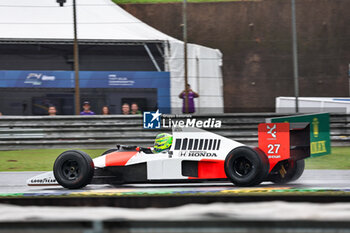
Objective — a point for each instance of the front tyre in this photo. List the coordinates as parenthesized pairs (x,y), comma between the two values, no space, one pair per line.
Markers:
(245,166)
(73,169)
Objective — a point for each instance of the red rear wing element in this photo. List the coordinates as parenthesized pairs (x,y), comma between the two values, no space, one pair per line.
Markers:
(274,140)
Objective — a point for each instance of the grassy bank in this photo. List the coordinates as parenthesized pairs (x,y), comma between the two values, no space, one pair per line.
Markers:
(339,159)
(43,159)
(34,160)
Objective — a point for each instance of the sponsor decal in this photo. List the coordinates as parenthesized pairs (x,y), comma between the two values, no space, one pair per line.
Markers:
(315,128)
(274,156)
(197,154)
(43,181)
(114,80)
(33,78)
(48,78)
(318,147)
(36,79)
(272,130)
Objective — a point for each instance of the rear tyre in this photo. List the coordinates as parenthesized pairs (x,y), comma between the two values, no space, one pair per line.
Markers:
(294,170)
(245,166)
(73,169)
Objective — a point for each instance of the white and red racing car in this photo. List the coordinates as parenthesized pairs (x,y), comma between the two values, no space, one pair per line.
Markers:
(195,155)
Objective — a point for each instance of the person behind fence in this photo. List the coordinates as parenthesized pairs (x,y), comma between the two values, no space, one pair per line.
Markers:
(105,110)
(135,109)
(87,109)
(52,111)
(191,96)
(125,109)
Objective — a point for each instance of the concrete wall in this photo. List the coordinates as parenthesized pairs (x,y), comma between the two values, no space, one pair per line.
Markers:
(255,38)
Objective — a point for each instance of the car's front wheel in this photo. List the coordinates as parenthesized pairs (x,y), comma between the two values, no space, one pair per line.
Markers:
(73,169)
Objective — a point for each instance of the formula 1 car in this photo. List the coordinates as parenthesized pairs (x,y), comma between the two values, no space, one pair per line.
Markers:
(195,155)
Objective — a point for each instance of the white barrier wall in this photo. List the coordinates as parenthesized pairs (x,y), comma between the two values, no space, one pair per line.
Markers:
(313,104)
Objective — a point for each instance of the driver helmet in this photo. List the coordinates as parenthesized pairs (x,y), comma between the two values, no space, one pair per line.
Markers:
(163,142)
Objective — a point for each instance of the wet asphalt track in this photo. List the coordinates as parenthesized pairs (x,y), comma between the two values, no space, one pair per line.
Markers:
(15,182)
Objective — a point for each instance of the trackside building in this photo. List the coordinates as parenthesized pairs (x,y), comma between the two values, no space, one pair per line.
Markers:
(121,60)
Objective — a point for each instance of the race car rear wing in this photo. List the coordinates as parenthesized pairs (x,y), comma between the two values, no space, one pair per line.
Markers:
(299,140)
(282,141)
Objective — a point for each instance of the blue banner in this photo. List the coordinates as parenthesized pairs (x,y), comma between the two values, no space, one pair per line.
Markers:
(124,79)
(44,79)
(91,79)
(87,79)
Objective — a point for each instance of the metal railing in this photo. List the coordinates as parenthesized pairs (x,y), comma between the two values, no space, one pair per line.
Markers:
(26,132)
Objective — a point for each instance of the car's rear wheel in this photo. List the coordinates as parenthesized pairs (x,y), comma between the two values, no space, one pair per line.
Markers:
(292,171)
(245,166)
(73,169)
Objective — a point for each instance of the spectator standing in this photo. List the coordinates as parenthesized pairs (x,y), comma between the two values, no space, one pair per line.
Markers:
(0,113)
(135,109)
(191,96)
(125,109)
(105,110)
(87,110)
(52,110)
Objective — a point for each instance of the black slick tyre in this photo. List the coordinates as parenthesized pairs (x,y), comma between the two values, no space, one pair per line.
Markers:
(245,166)
(294,170)
(73,169)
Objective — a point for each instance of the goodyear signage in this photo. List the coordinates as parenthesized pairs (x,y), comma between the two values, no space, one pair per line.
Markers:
(320,143)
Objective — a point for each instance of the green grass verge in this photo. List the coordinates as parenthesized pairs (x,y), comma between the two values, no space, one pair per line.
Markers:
(339,159)
(34,160)
(43,159)
(171,1)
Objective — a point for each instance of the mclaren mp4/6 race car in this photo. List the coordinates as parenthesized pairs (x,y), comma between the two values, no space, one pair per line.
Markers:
(195,155)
